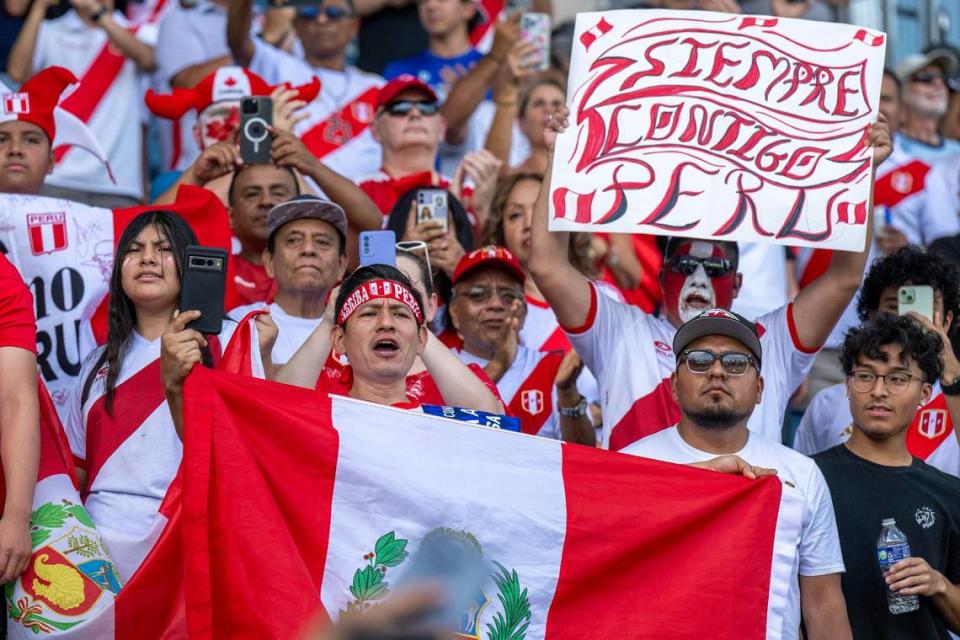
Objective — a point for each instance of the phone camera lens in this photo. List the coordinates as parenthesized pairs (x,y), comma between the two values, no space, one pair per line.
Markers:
(249,106)
(209,263)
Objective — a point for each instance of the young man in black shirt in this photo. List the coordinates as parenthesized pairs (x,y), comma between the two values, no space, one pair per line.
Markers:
(890,363)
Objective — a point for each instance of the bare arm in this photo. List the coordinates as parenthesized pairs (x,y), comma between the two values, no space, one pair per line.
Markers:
(16,7)
(457,384)
(20,61)
(823,607)
(303,369)
(188,77)
(819,306)
(506,96)
(368,7)
(565,289)
(578,430)
(20,455)
(179,353)
(239,16)
(127,43)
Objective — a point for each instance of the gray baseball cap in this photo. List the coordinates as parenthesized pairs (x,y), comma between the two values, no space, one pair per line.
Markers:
(306,206)
(942,58)
(718,322)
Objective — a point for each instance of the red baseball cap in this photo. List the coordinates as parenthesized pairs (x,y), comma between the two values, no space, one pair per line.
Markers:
(401,83)
(489,257)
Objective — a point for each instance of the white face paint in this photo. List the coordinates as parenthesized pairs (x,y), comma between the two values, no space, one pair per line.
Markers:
(697,294)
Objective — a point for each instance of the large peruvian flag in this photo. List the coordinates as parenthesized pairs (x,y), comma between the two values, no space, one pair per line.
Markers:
(295,502)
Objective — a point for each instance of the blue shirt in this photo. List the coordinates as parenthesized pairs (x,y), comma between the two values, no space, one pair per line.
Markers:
(439,73)
(927,152)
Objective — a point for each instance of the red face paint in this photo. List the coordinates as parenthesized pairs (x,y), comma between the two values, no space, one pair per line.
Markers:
(688,295)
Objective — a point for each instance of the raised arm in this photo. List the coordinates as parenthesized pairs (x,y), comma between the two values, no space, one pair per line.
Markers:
(819,306)
(303,369)
(121,38)
(20,60)
(239,15)
(457,384)
(179,353)
(566,290)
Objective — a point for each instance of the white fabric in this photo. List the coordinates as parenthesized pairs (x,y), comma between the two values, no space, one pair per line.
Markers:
(817,551)
(68,42)
(941,201)
(828,422)
(523,365)
(293,331)
(360,155)
(187,37)
(631,352)
(478,126)
(764,269)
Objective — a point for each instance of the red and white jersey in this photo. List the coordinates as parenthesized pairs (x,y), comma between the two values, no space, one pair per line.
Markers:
(828,422)
(292,330)
(17,325)
(338,125)
(527,389)
(109,99)
(941,199)
(816,550)
(385,190)
(631,355)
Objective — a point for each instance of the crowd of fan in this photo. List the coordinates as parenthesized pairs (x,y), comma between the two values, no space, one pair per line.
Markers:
(576,335)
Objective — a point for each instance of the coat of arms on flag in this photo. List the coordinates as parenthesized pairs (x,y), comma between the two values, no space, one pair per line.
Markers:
(933,422)
(532,401)
(48,232)
(16,103)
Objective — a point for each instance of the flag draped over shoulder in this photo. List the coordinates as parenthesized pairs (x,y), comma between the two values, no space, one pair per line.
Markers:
(295,502)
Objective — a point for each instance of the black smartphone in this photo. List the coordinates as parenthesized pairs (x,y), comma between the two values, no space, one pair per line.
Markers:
(204,286)
(256,118)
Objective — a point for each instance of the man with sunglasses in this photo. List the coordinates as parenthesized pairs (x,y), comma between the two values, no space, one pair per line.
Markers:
(924,104)
(539,387)
(717,385)
(337,124)
(891,362)
(629,351)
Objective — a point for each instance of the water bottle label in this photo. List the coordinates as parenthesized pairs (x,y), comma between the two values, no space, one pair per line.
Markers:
(889,556)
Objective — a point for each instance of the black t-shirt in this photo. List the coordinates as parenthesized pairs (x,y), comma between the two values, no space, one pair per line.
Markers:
(926,505)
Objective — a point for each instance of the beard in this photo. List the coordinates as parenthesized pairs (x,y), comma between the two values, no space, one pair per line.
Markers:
(930,108)
(715,418)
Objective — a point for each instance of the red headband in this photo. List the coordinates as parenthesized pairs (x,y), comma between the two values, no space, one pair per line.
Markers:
(375,289)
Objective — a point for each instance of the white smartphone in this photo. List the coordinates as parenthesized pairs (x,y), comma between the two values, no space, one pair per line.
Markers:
(432,204)
(917,298)
(535,29)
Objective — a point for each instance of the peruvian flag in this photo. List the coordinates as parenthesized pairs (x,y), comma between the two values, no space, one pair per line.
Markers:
(323,510)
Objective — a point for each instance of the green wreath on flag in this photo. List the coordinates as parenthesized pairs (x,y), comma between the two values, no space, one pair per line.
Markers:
(369,587)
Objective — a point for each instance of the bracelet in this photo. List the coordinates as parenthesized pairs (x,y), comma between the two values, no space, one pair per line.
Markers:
(951,388)
(577,411)
(98,14)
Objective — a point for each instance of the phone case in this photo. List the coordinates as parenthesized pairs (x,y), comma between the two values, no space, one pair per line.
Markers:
(203,287)
(432,204)
(535,28)
(378,247)
(256,118)
(917,298)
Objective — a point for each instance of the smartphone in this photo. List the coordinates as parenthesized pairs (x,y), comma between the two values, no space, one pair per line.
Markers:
(432,204)
(535,28)
(256,118)
(881,220)
(204,286)
(378,247)
(917,298)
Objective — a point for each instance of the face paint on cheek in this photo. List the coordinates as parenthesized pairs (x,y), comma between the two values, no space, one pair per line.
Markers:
(219,128)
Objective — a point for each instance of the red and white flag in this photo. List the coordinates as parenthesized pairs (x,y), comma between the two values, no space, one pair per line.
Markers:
(337,495)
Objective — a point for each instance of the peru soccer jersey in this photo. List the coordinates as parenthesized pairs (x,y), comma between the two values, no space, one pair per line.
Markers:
(385,190)
(17,325)
(337,128)
(527,389)
(631,355)
(827,422)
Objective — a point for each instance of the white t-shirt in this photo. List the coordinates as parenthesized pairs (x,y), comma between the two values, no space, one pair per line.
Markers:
(941,201)
(828,422)
(293,331)
(186,37)
(764,269)
(818,550)
(360,155)
(478,126)
(631,354)
(117,115)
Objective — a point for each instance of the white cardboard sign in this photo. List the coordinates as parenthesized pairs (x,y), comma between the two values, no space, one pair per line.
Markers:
(718,126)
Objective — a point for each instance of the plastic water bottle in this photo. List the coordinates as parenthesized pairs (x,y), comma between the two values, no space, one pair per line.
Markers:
(892,547)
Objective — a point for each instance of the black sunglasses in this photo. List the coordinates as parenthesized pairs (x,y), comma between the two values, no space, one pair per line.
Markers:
(701,361)
(311,12)
(927,77)
(715,266)
(403,107)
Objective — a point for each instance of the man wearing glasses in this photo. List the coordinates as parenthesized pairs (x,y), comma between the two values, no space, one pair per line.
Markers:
(539,387)
(924,105)
(717,385)
(890,364)
(337,124)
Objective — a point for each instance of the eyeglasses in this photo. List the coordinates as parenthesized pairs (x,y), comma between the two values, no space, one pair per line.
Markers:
(311,12)
(416,246)
(482,295)
(928,77)
(733,362)
(895,382)
(715,266)
(403,107)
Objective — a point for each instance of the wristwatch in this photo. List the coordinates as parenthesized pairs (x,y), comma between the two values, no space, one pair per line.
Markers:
(577,411)
(952,389)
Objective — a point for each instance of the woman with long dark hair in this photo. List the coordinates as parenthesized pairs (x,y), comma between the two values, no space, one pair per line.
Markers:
(120,429)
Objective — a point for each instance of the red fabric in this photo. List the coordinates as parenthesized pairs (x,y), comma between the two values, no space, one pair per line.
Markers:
(18,328)
(252,282)
(43,92)
(385,190)
(648,415)
(591,314)
(794,336)
(540,382)
(646,294)
(611,553)
(349,122)
(931,425)
(906,180)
